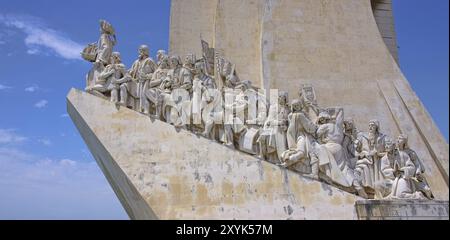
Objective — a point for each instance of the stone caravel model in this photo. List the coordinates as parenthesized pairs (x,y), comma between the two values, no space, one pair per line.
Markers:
(159,171)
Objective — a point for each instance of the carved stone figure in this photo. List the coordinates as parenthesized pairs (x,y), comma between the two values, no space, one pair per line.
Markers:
(350,136)
(203,93)
(299,123)
(419,179)
(300,138)
(255,116)
(403,185)
(153,88)
(330,135)
(160,55)
(141,71)
(99,53)
(384,186)
(182,85)
(111,77)
(308,98)
(373,143)
(398,171)
(227,73)
(105,43)
(364,166)
(272,140)
(174,80)
(238,113)
(208,56)
(332,156)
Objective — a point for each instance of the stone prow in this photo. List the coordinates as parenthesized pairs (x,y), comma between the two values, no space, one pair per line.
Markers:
(160,172)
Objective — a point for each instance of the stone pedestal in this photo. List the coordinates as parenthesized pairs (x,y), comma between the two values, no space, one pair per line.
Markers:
(401,210)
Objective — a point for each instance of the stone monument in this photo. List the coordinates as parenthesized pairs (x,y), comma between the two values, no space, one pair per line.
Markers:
(295,111)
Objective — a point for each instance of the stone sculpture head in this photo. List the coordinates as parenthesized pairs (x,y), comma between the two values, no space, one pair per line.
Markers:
(189,60)
(160,55)
(402,141)
(174,62)
(349,125)
(323,118)
(389,146)
(296,105)
(106,27)
(374,126)
(282,98)
(227,68)
(115,58)
(244,85)
(164,62)
(143,51)
(199,68)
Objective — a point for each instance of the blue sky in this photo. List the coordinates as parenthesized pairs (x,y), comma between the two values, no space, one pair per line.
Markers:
(46,170)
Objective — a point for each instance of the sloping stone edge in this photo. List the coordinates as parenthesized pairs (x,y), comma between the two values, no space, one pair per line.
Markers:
(133,203)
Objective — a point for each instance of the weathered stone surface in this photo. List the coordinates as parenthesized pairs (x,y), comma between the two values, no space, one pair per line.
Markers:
(401,210)
(201,25)
(335,46)
(159,172)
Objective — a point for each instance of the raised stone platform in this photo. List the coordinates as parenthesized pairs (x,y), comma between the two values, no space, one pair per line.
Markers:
(160,172)
(401,210)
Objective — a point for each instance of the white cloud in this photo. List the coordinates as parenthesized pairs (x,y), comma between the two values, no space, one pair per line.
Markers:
(33,51)
(8,136)
(40,38)
(68,162)
(45,142)
(41,104)
(33,88)
(3,87)
(42,188)
(64,115)
(36,187)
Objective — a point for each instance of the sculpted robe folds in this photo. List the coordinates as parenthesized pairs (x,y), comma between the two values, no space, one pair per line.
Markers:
(364,168)
(275,132)
(331,152)
(403,185)
(141,70)
(299,124)
(109,76)
(105,48)
(374,146)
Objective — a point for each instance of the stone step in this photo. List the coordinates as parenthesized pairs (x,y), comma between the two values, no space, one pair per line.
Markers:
(401,210)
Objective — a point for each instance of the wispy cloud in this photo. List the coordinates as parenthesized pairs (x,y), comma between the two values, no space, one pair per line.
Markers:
(8,136)
(40,38)
(3,87)
(64,115)
(45,188)
(33,88)
(39,187)
(41,104)
(45,142)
